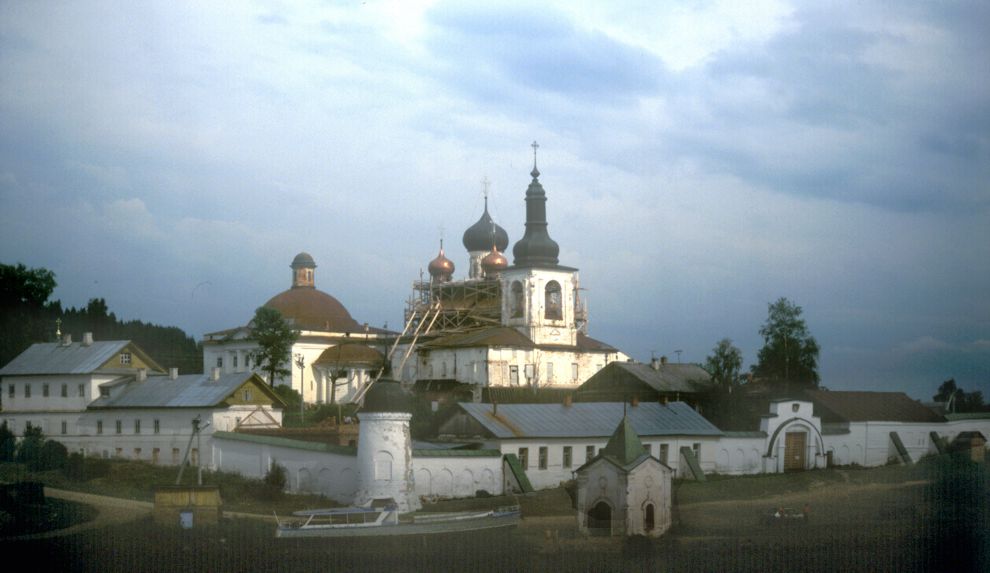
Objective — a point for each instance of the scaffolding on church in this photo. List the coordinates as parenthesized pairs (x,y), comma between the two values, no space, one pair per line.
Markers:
(461,305)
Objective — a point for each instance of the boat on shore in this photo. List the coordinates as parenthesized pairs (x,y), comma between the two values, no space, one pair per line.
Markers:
(385,520)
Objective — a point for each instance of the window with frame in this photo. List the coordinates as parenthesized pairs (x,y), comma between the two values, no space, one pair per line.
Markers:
(99,426)
(568,455)
(549,371)
(27,390)
(65,391)
(664,453)
(524,458)
(219,361)
(157,426)
(125,358)
(44,390)
(247,395)
(574,371)
(11,390)
(104,391)
(552,305)
(589,453)
(119,427)
(137,426)
(697,451)
(65,427)
(513,375)
(82,390)
(234,361)
(648,449)
(543,457)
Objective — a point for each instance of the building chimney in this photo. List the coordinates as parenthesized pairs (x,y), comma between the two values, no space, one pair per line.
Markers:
(87,339)
(568,400)
(67,340)
(142,374)
(663,360)
(173,373)
(494,408)
(215,373)
(635,401)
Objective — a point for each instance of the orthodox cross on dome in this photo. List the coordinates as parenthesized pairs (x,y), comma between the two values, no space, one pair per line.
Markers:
(485,184)
(536,172)
(58,328)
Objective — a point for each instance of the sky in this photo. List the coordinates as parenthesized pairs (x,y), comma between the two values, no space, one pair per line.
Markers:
(701,160)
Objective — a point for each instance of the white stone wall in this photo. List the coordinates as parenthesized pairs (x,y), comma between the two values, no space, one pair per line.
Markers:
(740,455)
(446,476)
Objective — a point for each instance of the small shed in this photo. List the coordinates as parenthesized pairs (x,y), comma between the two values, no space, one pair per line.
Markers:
(971,444)
(624,490)
(187,505)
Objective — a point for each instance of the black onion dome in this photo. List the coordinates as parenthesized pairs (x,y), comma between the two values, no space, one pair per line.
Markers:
(387,395)
(479,236)
(536,248)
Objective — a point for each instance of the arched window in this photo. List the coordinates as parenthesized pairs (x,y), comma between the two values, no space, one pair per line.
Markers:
(516,302)
(649,520)
(553,304)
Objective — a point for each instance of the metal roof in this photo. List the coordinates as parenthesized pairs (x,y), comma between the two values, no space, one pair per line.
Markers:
(589,419)
(56,358)
(662,377)
(870,407)
(189,391)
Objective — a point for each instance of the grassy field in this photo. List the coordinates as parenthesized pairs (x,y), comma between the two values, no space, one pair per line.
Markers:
(929,517)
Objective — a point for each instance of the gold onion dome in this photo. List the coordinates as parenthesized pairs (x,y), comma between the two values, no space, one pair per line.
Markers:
(441,268)
(494,261)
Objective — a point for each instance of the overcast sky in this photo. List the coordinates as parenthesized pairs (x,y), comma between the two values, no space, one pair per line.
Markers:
(700,161)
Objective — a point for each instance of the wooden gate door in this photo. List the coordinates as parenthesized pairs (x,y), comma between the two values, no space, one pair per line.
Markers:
(794,451)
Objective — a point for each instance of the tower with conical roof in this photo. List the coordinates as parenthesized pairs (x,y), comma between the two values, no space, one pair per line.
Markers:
(540,296)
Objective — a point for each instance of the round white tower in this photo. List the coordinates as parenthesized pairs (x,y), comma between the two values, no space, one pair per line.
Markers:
(385,448)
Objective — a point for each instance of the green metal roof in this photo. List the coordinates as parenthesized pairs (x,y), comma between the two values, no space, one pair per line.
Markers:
(624,446)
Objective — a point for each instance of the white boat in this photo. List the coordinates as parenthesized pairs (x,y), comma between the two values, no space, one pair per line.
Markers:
(362,521)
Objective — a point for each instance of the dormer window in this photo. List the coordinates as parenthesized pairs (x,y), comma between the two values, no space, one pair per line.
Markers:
(104,392)
(247,395)
(125,358)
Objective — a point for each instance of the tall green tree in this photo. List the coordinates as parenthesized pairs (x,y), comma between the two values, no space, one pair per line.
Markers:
(275,338)
(789,357)
(961,401)
(724,364)
(24,309)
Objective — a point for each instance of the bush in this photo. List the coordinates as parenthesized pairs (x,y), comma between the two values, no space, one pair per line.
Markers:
(52,457)
(275,481)
(80,468)
(8,444)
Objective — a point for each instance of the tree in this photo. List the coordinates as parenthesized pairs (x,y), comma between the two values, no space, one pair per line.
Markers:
(724,364)
(8,443)
(275,338)
(24,309)
(957,400)
(789,354)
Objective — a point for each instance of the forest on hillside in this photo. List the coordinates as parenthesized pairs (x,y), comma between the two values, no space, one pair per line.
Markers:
(28,316)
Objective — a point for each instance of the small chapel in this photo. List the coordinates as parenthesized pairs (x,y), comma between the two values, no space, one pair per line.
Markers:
(624,490)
